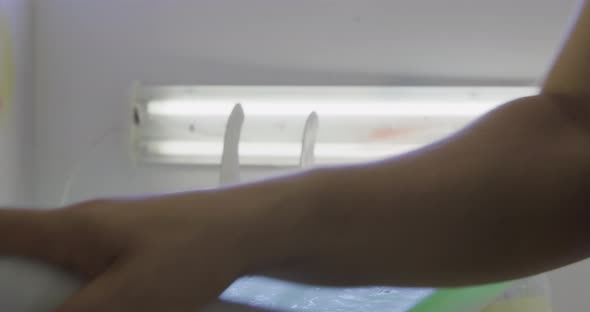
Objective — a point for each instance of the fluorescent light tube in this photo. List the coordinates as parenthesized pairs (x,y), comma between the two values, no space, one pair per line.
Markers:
(272,153)
(327,100)
(332,108)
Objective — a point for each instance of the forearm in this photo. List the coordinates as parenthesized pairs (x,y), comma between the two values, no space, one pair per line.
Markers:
(504,198)
(570,73)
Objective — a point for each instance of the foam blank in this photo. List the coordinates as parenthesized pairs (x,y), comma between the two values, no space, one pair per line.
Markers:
(29,286)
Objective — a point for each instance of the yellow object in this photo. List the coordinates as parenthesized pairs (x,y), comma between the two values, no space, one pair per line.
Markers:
(526,304)
(6,67)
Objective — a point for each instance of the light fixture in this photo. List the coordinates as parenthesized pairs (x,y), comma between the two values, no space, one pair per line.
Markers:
(179,124)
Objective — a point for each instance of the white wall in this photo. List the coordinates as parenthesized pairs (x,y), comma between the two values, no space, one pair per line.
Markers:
(89,53)
(16,128)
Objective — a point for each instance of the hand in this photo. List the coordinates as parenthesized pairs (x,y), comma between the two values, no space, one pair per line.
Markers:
(174,253)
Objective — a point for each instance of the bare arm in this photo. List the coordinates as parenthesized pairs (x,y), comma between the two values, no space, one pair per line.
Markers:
(504,198)
(570,73)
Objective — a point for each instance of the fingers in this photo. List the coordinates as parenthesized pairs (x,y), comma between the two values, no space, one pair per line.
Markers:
(28,233)
(148,284)
(58,237)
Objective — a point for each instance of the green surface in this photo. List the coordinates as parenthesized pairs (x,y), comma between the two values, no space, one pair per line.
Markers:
(471,299)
